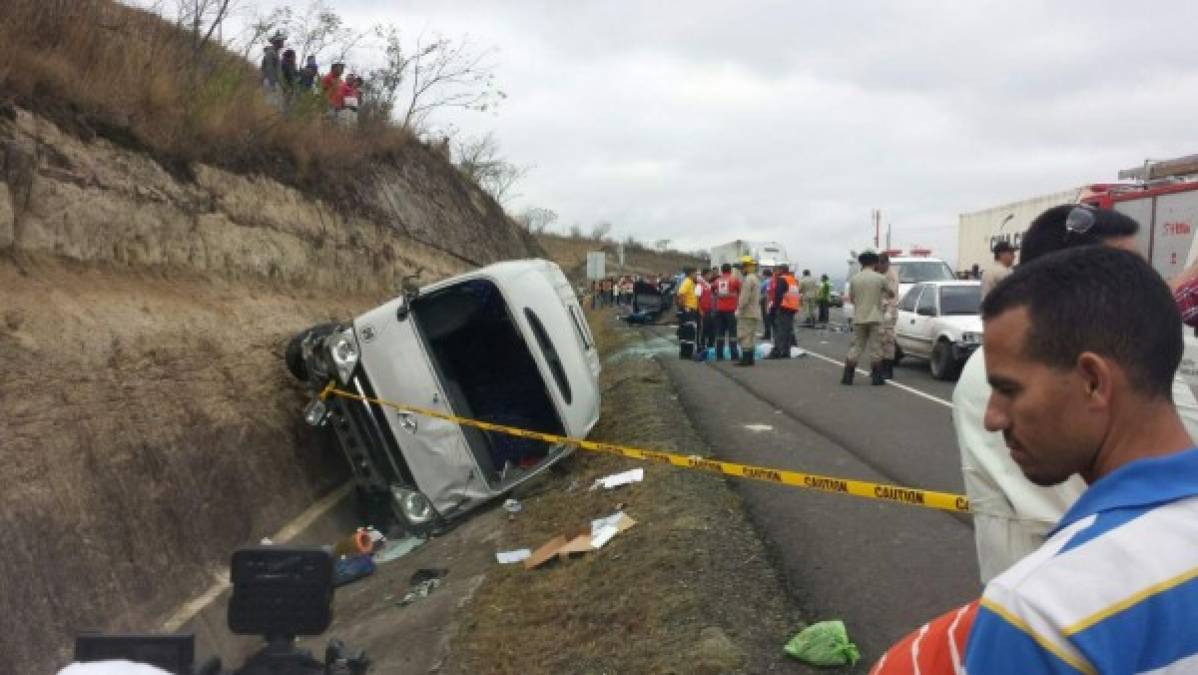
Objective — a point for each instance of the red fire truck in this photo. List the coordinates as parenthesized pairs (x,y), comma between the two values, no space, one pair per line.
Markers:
(1167,213)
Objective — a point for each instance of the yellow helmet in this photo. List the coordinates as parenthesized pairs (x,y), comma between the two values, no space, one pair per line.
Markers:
(747,260)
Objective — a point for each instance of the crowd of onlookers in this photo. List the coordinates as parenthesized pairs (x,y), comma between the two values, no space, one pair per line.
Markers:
(286,84)
(621,291)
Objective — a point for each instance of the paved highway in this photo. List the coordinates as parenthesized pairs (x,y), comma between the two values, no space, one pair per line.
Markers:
(883,568)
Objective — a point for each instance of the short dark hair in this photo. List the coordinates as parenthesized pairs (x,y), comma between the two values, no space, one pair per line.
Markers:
(767,272)
(868,258)
(726,267)
(1047,232)
(1098,299)
(1002,247)
(784,268)
(806,273)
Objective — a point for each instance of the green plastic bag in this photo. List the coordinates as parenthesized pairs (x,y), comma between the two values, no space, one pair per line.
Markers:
(824,644)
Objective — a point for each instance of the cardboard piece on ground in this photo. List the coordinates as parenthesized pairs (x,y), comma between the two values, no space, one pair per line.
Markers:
(545,553)
(617,479)
(508,557)
(579,544)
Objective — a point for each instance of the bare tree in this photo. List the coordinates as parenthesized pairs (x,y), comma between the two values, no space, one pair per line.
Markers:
(478,159)
(447,74)
(661,244)
(600,231)
(202,18)
(537,219)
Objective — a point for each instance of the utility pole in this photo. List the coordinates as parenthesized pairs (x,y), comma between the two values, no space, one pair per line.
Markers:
(889,226)
(877,216)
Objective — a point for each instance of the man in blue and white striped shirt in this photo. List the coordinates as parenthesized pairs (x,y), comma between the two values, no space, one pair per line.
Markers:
(1081,347)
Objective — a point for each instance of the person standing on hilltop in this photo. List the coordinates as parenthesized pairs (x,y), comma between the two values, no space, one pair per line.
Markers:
(289,77)
(272,70)
(309,74)
(748,311)
(333,88)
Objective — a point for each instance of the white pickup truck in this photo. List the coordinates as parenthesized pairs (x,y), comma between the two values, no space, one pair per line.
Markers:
(506,344)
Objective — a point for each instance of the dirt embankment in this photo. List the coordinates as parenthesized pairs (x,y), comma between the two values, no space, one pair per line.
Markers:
(149,425)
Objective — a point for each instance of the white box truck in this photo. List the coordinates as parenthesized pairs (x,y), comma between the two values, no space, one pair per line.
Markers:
(768,254)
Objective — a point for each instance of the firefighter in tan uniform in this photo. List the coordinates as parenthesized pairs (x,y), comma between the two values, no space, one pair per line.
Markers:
(867,289)
(889,314)
(748,311)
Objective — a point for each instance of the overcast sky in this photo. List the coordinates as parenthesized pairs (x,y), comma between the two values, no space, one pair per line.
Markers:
(706,121)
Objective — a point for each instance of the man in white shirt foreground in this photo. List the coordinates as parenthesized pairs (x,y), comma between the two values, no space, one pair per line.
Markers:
(1011,515)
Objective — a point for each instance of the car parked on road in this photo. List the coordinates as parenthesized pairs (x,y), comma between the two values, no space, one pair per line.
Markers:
(506,344)
(940,321)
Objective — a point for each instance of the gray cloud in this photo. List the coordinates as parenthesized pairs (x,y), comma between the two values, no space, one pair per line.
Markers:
(707,121)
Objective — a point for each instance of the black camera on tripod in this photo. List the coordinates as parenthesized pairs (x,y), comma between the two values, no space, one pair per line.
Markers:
(279,593)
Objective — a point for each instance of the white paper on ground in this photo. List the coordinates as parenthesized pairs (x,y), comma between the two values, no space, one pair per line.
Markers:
(603,535)
(509,557)
(599,523)
(795,352)
(617,479)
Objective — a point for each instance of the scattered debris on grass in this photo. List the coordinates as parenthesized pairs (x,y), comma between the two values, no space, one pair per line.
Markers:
(623,478)
(510,557)
(655,598)
(824,644)
(351,568)
(422,583)
(394,549)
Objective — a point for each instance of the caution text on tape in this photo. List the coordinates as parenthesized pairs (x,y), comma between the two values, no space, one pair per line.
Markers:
(944,501)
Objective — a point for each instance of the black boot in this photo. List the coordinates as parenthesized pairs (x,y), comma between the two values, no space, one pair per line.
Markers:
(847,378)
(875,375)
(719,350)
(888,369)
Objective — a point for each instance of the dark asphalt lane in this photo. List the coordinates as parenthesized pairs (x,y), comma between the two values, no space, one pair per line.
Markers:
(883,568)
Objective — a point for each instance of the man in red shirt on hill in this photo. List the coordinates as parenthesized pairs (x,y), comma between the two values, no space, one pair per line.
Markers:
(334,88)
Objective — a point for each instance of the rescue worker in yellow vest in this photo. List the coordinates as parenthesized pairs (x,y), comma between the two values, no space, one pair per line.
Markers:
(787,300)
(688,314)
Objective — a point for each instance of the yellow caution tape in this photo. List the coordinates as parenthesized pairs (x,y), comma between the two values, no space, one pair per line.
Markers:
(944,501)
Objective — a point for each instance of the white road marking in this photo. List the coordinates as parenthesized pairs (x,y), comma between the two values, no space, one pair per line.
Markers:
(892,383)
(221,576)
(758,427)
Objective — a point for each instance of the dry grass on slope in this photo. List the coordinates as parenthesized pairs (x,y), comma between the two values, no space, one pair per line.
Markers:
(106,69)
